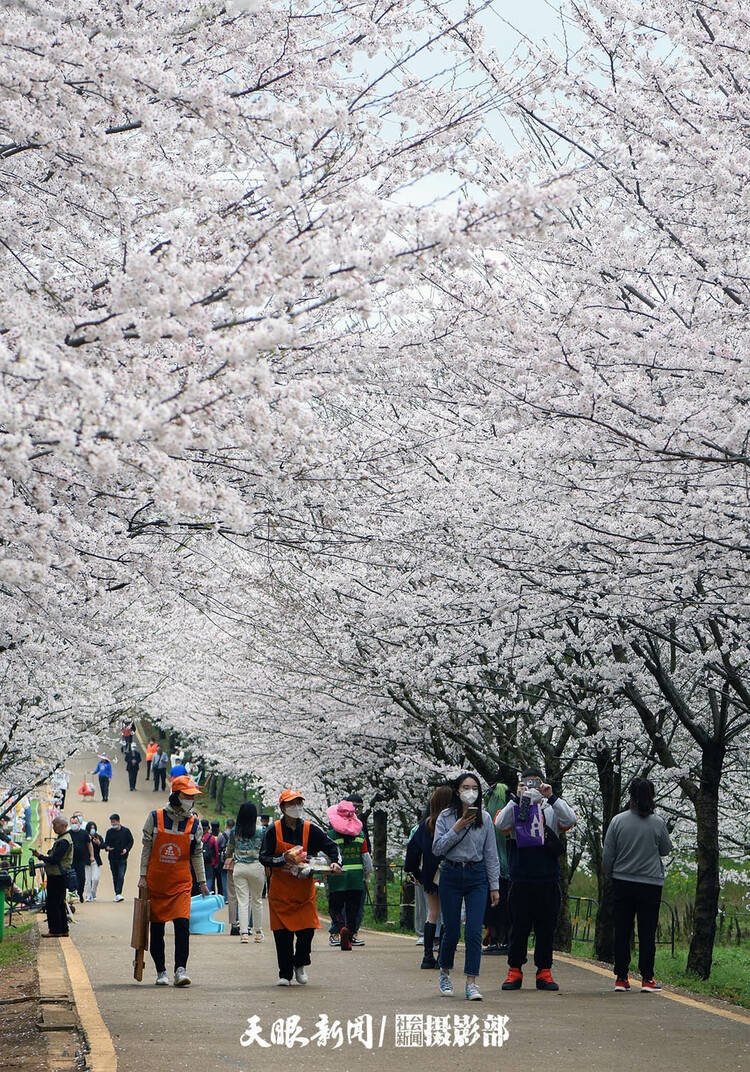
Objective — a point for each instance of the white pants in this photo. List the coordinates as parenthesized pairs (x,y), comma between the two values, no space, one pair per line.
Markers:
(248,883)
(92,881)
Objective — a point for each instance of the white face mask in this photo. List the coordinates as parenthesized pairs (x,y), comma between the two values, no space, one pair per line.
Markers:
(468,796)
(186,803)
(294,811)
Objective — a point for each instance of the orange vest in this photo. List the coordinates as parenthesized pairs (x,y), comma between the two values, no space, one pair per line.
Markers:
(150,750)
(170,882)
(291,900)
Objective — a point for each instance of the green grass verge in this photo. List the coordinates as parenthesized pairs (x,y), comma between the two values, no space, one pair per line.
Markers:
(17,947)
(730,973)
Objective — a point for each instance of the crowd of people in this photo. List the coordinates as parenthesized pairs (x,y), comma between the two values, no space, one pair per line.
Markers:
(485,862)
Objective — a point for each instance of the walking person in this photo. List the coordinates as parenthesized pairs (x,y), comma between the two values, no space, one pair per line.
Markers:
(423,864)
(243,849)
(159,769)
(291,890)
(533,819)
(118,842)
(133,764)
(345,890)
(172,844)
(94,867)
(104,770)
(359,810)
(496,917)
(210,853)
(150,751)
(57,862)
(465,838)
(223,839)
(635,842)
(83,853)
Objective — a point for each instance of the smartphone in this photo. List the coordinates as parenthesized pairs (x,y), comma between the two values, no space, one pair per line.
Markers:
(473,812)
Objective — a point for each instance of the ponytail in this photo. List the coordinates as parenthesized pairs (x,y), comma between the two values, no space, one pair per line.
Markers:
(642,796)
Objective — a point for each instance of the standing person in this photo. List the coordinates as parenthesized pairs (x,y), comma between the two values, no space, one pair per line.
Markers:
(496,917)
(104,770)
(533,819)
(345,890)
(465,838)
(159,769)
(243,849)
(133,763)
(150,750)
(60,783)
(93,869)
(224,873)
(128,735)
(172,843)
(83,853)
(118,842)
(57,862)
(291,890)
(359,809)
(210,853)
(635,842)
(424,865)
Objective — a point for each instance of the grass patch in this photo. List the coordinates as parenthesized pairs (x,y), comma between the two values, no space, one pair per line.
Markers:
(17,947)
(730,973)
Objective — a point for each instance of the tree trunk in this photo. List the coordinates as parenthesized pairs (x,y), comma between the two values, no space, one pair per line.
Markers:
(564,928)
(610,785)
(700,954)
(406,915)
(380,863)
(220,792)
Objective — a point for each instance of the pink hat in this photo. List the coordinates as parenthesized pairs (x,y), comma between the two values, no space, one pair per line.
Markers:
(343,818)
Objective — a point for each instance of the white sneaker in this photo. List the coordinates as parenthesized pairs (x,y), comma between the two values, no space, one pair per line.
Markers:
(301,975)
(283,982)
(162,979)
(259,936)
(419,941)
(119,897)
(181,977)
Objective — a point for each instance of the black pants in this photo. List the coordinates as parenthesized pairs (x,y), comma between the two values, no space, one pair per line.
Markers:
(532,906)
(104,787)
(118,865)
(496,917)
(287,955)
(181,944)
(80,870)
(344,906)
(148,770)
(132,775)
(160,778)
(57,917)
(633,899)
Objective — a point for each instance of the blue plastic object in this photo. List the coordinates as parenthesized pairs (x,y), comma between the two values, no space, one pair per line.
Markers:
(201,913)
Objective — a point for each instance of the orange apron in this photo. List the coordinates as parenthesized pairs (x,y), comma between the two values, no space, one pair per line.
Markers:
(291,901)
(169,880)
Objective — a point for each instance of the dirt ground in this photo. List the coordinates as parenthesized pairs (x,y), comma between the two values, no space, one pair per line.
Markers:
(22,1046)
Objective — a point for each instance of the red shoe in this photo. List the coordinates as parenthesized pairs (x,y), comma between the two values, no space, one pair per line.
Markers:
(346,939)
(650,986)
(514,980)
(544,980)
(622,983)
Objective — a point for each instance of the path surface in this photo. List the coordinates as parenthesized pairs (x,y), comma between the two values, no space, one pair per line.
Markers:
(584,1028)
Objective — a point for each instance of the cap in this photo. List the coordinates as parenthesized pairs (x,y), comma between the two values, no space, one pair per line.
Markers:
(184,784)
(290,794)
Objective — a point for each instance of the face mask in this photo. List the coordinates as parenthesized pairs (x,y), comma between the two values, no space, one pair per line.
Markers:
(294,811)
(186,803)
(468,796)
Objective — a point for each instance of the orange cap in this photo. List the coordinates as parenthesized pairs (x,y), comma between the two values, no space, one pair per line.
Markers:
(290,794)
(184,784)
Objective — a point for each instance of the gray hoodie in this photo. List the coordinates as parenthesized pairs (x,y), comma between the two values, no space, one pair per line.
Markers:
(634,846)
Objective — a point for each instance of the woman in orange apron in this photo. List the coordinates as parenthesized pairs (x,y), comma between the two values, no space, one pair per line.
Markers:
(172,841)
(291,895)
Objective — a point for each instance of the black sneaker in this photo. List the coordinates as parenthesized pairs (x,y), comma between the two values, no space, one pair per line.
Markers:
(429,962)
(334,939)
(356,940)
(544,980)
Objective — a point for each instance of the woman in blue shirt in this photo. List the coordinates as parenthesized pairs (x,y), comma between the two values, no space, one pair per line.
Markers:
(465,837)
(249,875)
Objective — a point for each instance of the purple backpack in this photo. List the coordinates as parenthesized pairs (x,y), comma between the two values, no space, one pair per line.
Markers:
(530,834)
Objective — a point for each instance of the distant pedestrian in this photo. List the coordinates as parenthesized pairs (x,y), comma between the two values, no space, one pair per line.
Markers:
(533,819)
(118,842)
(224,873)
(465,838)
(422,863)
(635,842)
(243,850)
(159,769)
(104,770)
(133,764)
(57,863)
(210,853)
(150,750)
(345,889)
(359,811)
(291,891)
(83,853)
(496,917)
(172,845)
(93,869)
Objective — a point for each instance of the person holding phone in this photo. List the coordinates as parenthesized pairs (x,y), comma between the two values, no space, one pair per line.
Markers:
(465,838)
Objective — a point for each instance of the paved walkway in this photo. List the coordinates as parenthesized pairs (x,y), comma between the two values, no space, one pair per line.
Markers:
(584,1028)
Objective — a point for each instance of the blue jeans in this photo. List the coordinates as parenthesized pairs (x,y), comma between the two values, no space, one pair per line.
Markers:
(466,884)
